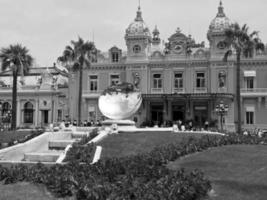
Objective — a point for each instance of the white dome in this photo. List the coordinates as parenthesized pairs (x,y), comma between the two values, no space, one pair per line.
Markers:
(138,27)
(220,22)
(119,106)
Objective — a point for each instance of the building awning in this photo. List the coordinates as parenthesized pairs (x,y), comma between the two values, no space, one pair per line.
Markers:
(250,73)
(189,95)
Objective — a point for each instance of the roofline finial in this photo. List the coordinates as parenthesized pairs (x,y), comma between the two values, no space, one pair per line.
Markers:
(139,13)
(220,10)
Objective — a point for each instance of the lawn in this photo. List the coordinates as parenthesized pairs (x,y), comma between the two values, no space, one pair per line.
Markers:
(237,172)
(8,136)
(126,144)
(27,191)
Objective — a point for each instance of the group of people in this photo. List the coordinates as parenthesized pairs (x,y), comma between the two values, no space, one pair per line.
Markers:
(85,123)
(256,132)
(182,126)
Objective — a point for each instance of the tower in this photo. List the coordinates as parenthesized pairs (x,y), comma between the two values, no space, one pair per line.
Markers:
(216,33)
(138,39)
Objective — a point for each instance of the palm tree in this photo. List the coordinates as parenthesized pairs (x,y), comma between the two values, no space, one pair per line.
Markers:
(17,59)
(244,44)
(77,57)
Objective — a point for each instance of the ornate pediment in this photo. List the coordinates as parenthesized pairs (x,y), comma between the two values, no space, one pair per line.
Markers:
(157,55)
(179,43)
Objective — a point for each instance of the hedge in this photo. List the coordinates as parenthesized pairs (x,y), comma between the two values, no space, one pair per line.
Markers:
(143,176)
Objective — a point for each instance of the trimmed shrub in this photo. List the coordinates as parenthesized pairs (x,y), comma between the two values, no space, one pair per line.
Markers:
(142,176)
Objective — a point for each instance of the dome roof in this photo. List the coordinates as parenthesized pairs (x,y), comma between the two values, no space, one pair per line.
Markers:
(220,22)
(138,27)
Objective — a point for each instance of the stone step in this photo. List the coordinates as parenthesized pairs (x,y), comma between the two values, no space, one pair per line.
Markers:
(42,157)
(59,144)
(85,128)
(79,134)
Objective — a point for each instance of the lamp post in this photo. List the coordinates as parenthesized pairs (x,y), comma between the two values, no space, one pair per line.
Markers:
(8,117)
(0,116)
(221,110)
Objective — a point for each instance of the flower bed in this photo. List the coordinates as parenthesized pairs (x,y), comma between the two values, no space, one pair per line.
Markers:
(82,152)
(143,176)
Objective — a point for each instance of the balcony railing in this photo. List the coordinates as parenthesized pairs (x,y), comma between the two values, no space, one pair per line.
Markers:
(200,90)
(156,90)
(222,90)
(92,94)
(178,90)
(253,91)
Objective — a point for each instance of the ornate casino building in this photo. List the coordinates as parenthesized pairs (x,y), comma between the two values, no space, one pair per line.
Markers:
(178,82)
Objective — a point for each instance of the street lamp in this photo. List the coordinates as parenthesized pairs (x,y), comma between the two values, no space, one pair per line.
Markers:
(0,115)
(221,110)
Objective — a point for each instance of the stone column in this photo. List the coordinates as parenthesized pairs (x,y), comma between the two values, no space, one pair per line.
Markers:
(36,113)
(18,113)
(259,102)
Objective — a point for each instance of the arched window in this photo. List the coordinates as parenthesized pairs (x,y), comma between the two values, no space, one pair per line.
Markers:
(136,48)
(6,108)
(28,112)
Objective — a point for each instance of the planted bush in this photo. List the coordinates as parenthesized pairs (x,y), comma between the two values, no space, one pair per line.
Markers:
(142,176)
(81,153)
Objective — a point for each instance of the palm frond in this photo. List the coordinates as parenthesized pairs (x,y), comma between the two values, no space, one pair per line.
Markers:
(17,55)
(226,55)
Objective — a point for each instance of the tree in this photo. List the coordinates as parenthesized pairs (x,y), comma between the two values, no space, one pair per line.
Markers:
(77,57)
(17,59)
(244,44)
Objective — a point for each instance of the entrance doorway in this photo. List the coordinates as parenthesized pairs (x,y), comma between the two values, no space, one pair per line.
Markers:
(44,116)
(178,112)
(200,115)
(157,114)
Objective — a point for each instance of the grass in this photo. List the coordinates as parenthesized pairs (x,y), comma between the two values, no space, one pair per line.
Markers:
(237,172)
(9,136)
(126,144)
(27,191)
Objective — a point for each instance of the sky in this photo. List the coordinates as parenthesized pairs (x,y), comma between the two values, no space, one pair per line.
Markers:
(45,27)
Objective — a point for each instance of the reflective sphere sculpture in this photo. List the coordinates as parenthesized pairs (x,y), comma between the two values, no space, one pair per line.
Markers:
(120,101)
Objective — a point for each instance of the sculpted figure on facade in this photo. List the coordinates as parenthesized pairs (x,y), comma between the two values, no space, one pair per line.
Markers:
(136,80)
(222,79)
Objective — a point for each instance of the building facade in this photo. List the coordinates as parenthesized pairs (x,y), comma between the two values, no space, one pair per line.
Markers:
(41,97)
(179,80)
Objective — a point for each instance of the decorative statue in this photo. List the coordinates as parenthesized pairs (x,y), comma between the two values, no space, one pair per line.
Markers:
(136,80)
(222,77)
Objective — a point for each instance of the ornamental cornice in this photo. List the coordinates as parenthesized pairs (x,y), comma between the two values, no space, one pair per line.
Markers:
(253,62)
(108,67)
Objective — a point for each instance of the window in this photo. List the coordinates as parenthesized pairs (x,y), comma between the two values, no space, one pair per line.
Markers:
(114,79)
(91,113)
(249,117)
(6,108)
(157,81)
(115,57)
(6,112)
(136,49)
(200,81)
(250,82)
(93,83)
(28,112)
(59,115)
(178,80)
